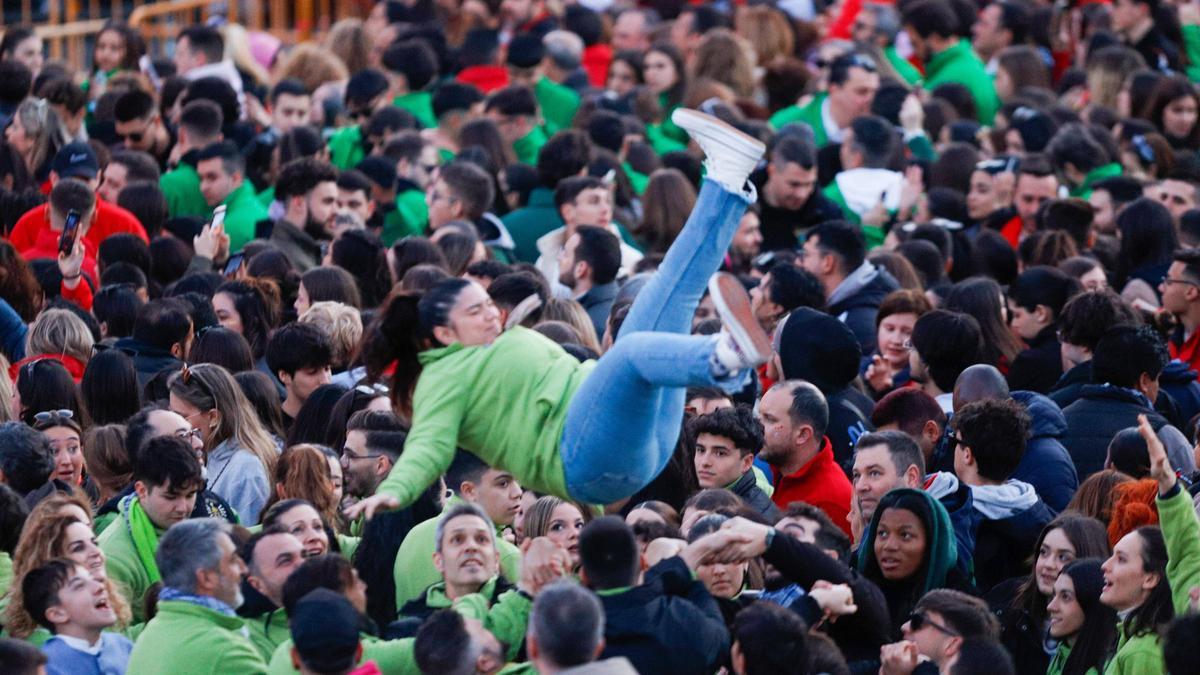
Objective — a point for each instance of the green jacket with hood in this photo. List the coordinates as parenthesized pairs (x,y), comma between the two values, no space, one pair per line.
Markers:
(123,564)
(414,571)
(506,402)
(1142,654)
(959,63)
(187,638)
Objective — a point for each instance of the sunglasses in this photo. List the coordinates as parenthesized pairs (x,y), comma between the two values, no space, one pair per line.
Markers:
(918,620)
(50,415)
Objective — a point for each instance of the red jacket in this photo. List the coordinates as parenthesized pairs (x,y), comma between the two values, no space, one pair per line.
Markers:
(33,229)
(821,483)
(596,60)
(1188,350)
(72,364)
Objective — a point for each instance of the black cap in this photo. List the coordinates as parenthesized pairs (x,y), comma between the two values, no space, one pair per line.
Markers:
(525,51)
(76,160)
(817,347)
(324,628)
(379,170)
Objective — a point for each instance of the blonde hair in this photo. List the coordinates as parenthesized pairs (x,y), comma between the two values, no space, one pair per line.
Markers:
(768,31)
(342,323)
(237,49)
(723,57)
(348,41)
(574,315)
(41,541)
(1107,70)
(208,386)
(59,331)
(312,65)
(42,124)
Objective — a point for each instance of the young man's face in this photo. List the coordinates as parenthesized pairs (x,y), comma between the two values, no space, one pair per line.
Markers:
(1030,193)
(114,180)
(302,383)
(593,207)
(718,462)
(747,241)
(215,183)
(932,638)
(363,467)
(854,96)
(444,206)
(83,602)
(322,205)
(168,504)
(139,133)
(1177,195)
(357,202)
(290,112)
(1025,323)
(468,557)
(1125,14)
(789,185)
(500,496)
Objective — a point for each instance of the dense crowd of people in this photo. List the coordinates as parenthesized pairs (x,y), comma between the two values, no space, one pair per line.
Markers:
(534,337)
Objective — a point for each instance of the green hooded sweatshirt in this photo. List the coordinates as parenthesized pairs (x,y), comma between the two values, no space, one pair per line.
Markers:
(558,104)
(942,548)
(242,213)
(959,63)
(268,631)
(414,571)
(809,113)
(187,638)
(123,564)
(1110,170)
(346,147)
(506,402)
(528,146)
(410,217)
(1142,654)
(181,186)
(420,104)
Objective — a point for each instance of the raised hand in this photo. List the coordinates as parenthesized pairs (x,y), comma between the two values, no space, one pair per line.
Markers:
(70,266)
(899,658)
(880,374)
(1160,466)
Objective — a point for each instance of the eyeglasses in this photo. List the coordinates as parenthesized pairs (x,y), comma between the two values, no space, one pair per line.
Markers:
(53,414)
(1167,281)
(918,620)
(188,434)
(349,456)
(952,442)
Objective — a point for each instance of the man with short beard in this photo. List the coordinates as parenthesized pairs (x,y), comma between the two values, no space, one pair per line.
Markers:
(307,188)
(271,556)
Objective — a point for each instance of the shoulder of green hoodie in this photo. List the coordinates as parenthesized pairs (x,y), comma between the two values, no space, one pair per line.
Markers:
(345,147)
(267,631)
(1137,655)
(243,213)
(414,572)
(181,187)
(392,657)
(809,113)
(124,566)
(507,618)
(1181,531)
(522,401)
(963,66)
(184,637)
(558,102)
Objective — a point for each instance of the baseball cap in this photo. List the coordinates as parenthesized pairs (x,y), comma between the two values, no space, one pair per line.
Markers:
(75,160)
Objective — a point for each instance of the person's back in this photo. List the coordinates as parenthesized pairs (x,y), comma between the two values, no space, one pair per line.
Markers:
(1046,465)
(667,624)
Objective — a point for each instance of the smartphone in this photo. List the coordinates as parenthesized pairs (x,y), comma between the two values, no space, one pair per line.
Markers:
(66,243)
(218,218)
(234,264)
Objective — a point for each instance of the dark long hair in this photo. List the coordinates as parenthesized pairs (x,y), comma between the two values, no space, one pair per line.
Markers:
(362,255)
(312,421)
(403,329)
(135,46)
(376,553)
(45,385)
(674,95)
(1167,90)
(1158,610)
(980,297)
(1088,537)
(224,347)
(110,387)
(257,302)
(1148,236)
(1099,631)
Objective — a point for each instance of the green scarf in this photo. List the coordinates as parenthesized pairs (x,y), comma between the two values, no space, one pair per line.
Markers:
(145,538)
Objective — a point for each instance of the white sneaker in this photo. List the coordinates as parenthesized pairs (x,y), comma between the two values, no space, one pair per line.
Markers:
(729,155)
(742,343)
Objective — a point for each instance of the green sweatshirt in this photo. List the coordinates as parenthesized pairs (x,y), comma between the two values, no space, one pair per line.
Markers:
(346,147)
(1060,661)
(959,63)
(242,213)
(528,146)
(558,104)
(506,402)
(268,631)
(187,638)
(414,571)
(123,565)
(1142,654)
(903,68)
(410,218)
(507,619)
(1110,170)
(181,186)
(420,104)
(392,657)
(810,114)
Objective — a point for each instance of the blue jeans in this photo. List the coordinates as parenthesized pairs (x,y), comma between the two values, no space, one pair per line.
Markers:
(623,423)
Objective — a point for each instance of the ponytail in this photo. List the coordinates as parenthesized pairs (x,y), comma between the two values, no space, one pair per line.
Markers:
(396,336)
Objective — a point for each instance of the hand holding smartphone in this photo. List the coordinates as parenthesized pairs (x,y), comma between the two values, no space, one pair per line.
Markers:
(66,243)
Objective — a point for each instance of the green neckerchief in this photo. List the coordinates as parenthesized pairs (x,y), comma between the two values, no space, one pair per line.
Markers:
(145,538)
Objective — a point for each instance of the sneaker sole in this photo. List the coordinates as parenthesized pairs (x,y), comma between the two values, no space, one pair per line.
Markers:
(733,306)
(726,134)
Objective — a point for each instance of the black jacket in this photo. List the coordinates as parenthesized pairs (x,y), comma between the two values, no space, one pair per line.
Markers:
(747,488)
(859,635)
(858,309)
(148,360)
(1046,465)
(781,228)
(1070,386)
(1022,638)
(1039,367)
(1003,546)
(668,624)
(1095,418)
(849,418)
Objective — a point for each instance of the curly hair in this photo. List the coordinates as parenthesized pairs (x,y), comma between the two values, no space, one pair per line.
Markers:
(737,424)
(302,472)
(995,431)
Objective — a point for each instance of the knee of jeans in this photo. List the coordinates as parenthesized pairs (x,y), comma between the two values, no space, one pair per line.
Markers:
(606,488)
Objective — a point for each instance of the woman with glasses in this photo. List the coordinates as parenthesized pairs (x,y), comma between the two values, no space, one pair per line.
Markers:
(909,549)
(240,453)
(1084,628)
(1026,629)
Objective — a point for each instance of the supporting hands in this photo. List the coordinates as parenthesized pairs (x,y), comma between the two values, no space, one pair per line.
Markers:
(542,561)
(833,599)
(369,506)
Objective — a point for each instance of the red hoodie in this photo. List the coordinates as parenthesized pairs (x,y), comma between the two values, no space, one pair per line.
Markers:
(821,483)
